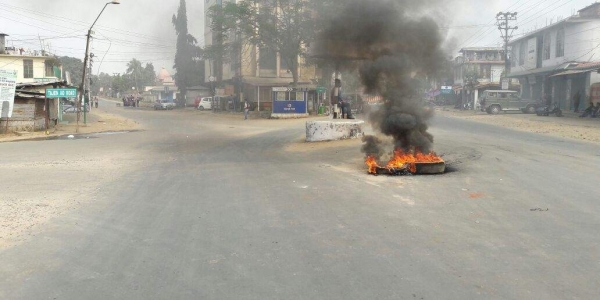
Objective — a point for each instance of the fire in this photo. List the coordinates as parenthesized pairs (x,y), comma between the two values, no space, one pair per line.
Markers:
(372,164)
(403,160)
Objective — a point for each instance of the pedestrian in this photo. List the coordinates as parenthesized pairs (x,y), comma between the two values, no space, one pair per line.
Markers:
(588,111)
(596,110)
(576,101)
(246,109)
(96,102)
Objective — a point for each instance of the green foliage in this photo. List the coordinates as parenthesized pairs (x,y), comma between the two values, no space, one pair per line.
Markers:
(136,75)
(189,71)
(74,66)
(284,26)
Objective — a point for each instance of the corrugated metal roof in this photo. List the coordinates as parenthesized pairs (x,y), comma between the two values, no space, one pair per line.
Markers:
(539,71)
(569,72)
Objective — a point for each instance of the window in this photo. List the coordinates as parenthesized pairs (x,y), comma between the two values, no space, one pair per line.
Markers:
(503,95)
(49,69)
(281,96)
(268,59)
(492,95)
(27,68)
(560,43)
(547,41)
(522,53)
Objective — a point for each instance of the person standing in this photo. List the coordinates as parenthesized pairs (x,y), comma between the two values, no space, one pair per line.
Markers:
(246,109)
(576,102)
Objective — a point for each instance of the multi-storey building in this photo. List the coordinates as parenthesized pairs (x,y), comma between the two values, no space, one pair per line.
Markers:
(477,69)
(31,65)
(558,60)
(252,72)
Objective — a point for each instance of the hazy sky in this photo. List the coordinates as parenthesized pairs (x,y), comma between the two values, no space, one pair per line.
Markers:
(143,29)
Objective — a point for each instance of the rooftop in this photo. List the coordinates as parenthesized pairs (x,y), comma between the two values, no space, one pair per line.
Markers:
(586,14)
(481,49)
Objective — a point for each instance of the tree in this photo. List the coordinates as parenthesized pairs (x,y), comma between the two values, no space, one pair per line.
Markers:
(285,27)
(186,75)
(136,71)
(149,75)
(74,66)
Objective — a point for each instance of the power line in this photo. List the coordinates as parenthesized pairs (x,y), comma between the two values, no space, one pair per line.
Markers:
(483,30)
(82,23)
(528,9)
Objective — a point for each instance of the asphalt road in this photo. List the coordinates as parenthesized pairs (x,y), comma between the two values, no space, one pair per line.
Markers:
(218,208)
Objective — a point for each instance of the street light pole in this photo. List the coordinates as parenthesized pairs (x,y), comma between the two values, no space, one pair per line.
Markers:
(85,62)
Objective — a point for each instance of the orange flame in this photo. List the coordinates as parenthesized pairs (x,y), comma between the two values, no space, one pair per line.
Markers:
(402,160)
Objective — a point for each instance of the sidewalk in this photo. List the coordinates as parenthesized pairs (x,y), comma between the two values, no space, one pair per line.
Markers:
(569,126)
(98,120)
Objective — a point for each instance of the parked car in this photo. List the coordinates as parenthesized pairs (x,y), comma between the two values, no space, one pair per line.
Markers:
(73,109)
(205,103)
(495,101)
(164,104)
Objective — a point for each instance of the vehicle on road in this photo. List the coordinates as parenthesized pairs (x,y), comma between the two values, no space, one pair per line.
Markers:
(73,109)
(164,105)
(496,101)
(205,103)
(545,110)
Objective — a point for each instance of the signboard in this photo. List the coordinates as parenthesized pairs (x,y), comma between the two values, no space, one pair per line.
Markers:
(8,85)
(321,89)
(446,90)
(505,83)
(289,100)
(61,93)
(531,61)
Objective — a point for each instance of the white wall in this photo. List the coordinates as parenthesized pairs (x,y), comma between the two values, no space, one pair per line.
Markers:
(581,45)
(14,62)
(496,73)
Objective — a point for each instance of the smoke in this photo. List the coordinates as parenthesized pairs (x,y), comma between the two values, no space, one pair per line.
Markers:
(395,41)
(372,146)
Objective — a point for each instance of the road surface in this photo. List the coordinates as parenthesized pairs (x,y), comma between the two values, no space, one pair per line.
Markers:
(198,206)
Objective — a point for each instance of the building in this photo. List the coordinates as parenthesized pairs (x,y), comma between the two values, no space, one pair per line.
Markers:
(558,60)
(31,110)
(164,89)
(477,69)
(253,72)
(31,65)
(35,71)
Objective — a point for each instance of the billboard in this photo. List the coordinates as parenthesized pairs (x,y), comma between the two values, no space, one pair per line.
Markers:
(8,85)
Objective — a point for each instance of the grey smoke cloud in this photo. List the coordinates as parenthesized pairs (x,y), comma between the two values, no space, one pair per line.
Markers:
(395,39)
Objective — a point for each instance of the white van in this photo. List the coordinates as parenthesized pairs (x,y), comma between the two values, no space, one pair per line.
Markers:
(205,103)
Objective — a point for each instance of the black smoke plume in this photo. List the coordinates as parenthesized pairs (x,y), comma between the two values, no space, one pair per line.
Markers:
(392,42)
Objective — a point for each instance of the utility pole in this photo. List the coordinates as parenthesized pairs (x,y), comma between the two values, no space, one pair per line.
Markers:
(85,61)
(503,20)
